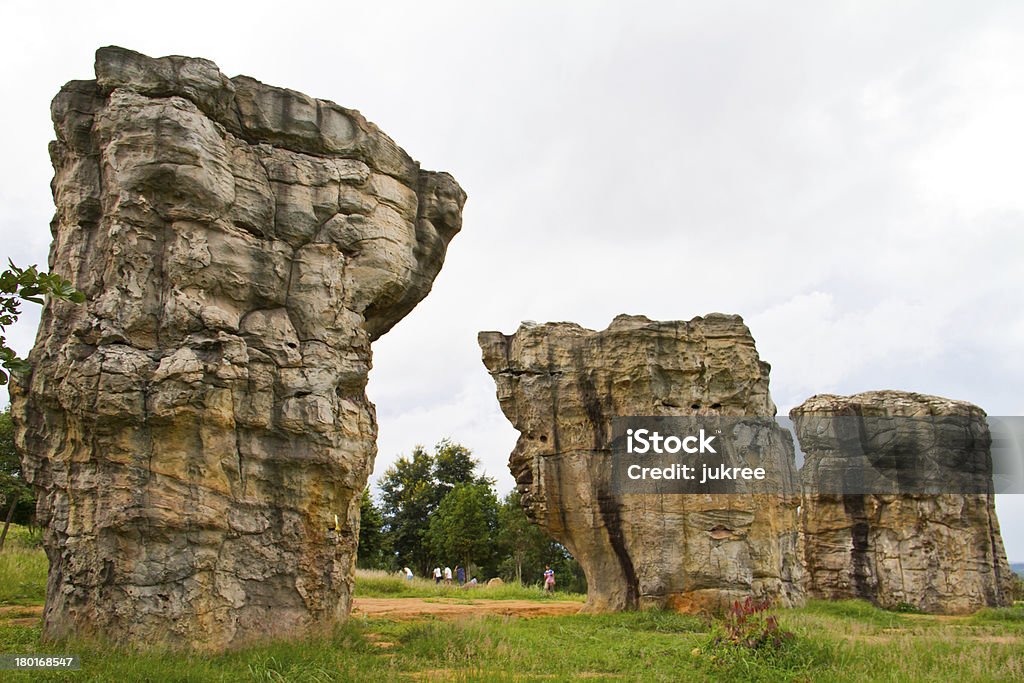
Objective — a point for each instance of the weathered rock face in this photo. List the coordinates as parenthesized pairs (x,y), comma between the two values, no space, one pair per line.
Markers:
(560,385)
(938,551)
(198,432)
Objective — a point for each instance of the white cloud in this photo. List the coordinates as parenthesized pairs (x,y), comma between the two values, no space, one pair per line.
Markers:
(846,176)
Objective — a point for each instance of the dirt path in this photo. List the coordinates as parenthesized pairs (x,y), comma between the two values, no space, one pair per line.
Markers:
(454,608)
(391,608)
(21,615)
(20,610)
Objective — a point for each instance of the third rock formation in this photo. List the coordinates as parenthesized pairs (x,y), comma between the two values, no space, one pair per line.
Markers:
(925,535)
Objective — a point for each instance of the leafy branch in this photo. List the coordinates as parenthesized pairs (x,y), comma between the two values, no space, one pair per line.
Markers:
(26,284)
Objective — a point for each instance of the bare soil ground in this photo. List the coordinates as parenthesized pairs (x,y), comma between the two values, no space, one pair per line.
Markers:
(455,608)
(21,615)
(390,608)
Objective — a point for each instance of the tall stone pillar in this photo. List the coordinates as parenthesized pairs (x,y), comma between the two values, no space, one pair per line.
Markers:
(198,432)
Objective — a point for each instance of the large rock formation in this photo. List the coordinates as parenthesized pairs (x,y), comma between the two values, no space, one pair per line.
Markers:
(918,525)
(198,432)
(561,386)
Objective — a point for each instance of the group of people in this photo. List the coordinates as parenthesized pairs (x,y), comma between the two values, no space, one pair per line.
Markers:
(446,575)
(460,576)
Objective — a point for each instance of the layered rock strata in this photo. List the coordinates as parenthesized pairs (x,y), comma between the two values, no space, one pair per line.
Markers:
(198,432)
(919,528)
(562,385)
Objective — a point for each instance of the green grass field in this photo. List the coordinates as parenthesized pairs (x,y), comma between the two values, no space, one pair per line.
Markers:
(22,569)
(379,584)
(841,641)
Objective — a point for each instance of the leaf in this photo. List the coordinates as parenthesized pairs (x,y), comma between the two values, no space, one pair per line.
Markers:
(16,364)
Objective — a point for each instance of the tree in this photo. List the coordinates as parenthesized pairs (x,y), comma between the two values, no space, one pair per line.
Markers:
(453,464)
(17,285)
(13,489)
(527,550)
(412,489)
(464,525)
(407,499)
(520,540)
(371,534)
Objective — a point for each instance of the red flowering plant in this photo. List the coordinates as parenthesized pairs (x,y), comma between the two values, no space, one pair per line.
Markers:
(748,624)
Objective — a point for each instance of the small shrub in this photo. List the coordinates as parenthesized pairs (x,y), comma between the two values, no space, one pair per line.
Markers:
(749,644)
(748,624)
(905,608)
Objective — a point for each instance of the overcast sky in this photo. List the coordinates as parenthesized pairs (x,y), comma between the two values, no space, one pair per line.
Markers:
(847,176)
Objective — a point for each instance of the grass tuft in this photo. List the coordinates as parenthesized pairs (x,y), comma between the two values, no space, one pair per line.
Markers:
(1000,615)
(855,610)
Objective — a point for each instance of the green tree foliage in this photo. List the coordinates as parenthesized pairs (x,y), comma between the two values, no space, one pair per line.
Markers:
(28,284)
(407,499)
(522,542)
(526,550)
(10,467)
(17,285)
(372,541)
(463,528)
(453,464)
(569,572)
(411,491)
(437,510)
(16,500)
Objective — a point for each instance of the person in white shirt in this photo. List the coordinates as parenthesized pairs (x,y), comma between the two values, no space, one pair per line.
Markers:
(437,575)
(408,573)
(447,576)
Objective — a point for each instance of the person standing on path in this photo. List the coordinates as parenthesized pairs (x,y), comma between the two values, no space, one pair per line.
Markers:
(549,579)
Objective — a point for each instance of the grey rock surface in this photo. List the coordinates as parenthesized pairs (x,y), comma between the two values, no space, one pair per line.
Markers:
(561,385)
(198,432)
(935,551)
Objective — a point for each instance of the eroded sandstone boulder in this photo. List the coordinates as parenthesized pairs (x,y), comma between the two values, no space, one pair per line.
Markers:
(918,527)
(562,385)
(198,432)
